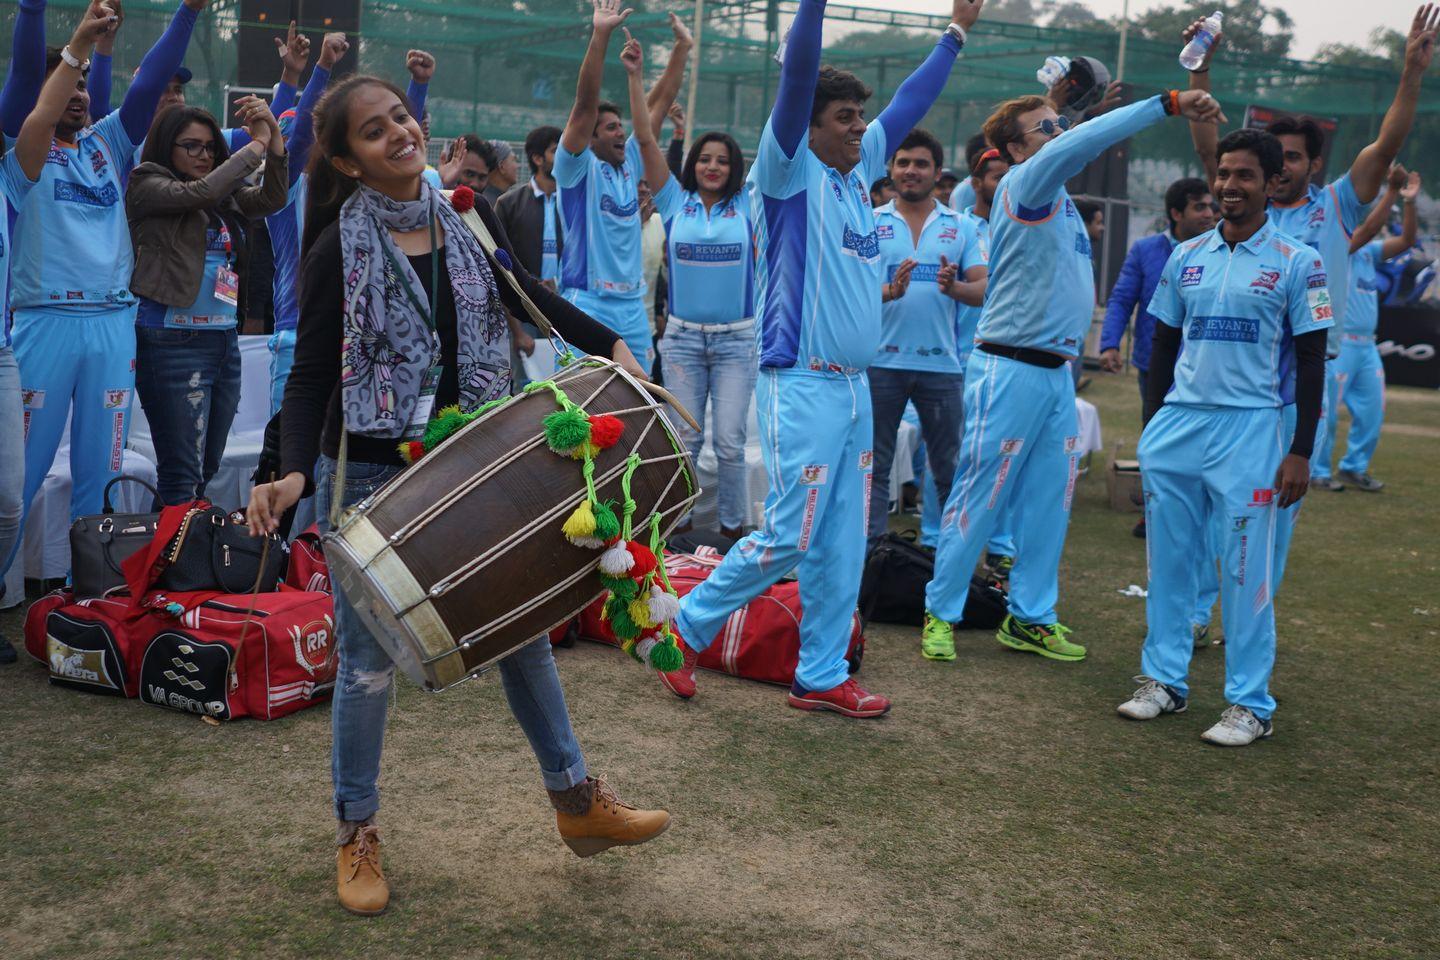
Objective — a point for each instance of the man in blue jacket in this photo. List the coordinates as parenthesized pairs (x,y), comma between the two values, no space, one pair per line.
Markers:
(1191,212)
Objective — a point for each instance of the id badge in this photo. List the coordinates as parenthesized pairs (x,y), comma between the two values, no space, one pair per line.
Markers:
(425,405)
(227,285)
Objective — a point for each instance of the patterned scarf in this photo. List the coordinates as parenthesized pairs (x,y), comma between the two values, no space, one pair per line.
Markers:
(388,347)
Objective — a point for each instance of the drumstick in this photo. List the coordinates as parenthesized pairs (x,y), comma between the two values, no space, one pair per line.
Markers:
(669,398)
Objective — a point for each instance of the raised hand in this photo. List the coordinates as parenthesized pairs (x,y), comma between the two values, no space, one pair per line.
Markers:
(255,116)
(947,274)
(608,16)
(899,283)
(683,37)
(1113,95)
(1420,44)
(1189,34)
(1397,177)
(105,43)
(294,51)
(1199,106)
(451,161)
(966,12)
(99,21)
(333,48)
(1411,190)
(196,5)
(676,113)
(420,64)
(632,56)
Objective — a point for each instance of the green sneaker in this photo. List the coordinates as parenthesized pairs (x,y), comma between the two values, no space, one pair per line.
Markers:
(999,565)
(938,640)
(1048,640)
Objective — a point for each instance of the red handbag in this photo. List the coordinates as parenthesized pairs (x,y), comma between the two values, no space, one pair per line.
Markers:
(308,569)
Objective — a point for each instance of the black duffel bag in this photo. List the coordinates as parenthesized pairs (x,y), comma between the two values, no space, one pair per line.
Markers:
(100,543)
(213,550)
(892,589)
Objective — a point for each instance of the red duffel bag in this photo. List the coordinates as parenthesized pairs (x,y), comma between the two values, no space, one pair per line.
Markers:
(760,641)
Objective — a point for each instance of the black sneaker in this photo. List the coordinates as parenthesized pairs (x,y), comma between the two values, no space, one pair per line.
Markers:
(1139,531)
(1361,481)
(7,652)
(1325,483)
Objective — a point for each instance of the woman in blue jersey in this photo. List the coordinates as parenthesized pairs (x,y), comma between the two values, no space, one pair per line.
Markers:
(187,204)
(709,353)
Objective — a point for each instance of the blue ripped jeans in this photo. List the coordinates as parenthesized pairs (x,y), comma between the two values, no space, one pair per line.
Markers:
(362,685)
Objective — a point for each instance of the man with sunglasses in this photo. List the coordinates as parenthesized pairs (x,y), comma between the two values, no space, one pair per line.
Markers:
(1021,443)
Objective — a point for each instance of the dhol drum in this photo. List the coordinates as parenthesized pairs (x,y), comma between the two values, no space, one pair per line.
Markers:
(461,558)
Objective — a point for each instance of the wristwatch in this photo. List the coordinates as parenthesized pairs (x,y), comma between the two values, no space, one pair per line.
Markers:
(72,61)
(956,31)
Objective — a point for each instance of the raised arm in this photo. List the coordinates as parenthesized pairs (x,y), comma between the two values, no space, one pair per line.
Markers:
(914,97)
(422,70)
(657,171)
(102,65)
(1380,213)
(159,65)
(1205,136)
(1367,173)
(662,96)
(27,67)
(294,53)
(302,132)
(1409,220)
(38,131)
(580,128)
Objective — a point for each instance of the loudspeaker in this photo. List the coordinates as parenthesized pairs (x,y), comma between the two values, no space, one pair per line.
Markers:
(261,21)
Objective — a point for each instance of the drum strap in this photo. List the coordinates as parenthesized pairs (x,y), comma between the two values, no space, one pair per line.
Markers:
(482,233)
(339,489)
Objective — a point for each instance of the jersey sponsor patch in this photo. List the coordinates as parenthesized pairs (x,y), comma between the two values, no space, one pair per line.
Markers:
(885,232)
(58,157)
(807,525)
(1262,497)
(867,460)
(610,207)
(33,399)
(814,474)
(117,440)
(1190,276)
(1321,314)
(115,399)
(1225,329)
(1009,448)
(106,196)
(862,245)
(707,254)
(926,272)
(1315,281)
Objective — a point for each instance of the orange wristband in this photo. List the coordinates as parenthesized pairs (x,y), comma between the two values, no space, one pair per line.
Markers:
(1172,103)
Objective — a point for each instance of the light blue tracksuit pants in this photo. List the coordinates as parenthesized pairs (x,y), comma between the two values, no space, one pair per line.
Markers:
(1019,449)
(81,366)
(1204,468)
(1360,385)
(629,317)
(1002,542)
(815,431)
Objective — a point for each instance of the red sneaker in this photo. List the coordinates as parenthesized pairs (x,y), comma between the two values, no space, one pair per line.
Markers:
(682,682)
(848,700)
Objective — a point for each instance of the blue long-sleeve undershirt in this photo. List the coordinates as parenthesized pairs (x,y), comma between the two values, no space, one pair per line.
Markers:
(97,81)
(917,94)
(156,70)
(1036,183)
(302,135)
(417,93)
(27,67)
(790,119)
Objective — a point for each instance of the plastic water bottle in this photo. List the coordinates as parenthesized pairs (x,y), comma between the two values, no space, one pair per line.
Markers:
(1053,71)
(1194,53)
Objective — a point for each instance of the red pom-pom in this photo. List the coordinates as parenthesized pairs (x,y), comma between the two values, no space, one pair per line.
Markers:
(644,560)
(414,450)
(463,199)
(605,430)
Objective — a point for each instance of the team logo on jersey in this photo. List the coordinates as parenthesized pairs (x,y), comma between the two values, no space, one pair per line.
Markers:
(1009,448)
(115,399)
(1262,497)
(1317,218)
(1238,524)
(1225,329)
(1082,243)
(1190,276)
(1071,443)
(1318,265)
(867,460)
(885,232)
(1267,279)
(949,233)
(97,162)
(57,157)
(861,245)
(814,474)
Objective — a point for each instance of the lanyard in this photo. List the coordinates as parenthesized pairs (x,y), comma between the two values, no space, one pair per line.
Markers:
(428,315)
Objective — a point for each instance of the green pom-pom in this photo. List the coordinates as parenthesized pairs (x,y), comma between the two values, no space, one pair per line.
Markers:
(446,422)
(626,590)
(666,657)
(614,584)
(621,625)
(607,524)
(566,429)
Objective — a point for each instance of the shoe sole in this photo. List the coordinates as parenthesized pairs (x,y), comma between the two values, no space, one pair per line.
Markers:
(665,682)
(1364,489)
(1131,716)
(813,705)
(1217,743)
(942,657)
(589,846)
(365,913)
(1025,646)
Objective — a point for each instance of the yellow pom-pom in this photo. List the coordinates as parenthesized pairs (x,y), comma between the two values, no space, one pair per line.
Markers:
(586,449)
(581,524)
(640,613)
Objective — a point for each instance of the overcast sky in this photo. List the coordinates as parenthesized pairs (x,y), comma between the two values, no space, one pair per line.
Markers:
(1316,21)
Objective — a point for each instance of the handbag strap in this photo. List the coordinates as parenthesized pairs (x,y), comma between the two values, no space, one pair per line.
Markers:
(107,508)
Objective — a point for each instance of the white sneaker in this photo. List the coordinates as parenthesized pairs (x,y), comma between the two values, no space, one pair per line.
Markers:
(1152,699)
(1238,727)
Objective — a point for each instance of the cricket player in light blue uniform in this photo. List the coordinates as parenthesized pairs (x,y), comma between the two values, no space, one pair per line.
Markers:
(74,315)
(1242,318)
(818,279)
(597,172)
(1021,436)
(1359,371)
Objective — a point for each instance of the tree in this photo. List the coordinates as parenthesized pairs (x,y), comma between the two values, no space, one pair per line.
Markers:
(1249,27)
(1073,15)
(1384,51)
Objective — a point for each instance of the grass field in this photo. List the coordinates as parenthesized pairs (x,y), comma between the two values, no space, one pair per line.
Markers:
(1002,809)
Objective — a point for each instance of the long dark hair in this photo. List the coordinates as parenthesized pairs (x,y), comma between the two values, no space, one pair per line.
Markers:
(688,180)
(160,141)
(328,188)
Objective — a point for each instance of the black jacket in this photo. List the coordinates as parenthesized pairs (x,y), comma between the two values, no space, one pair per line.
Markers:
(521,213)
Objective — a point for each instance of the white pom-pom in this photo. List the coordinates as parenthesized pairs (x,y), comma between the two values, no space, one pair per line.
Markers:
(589,543)
(643,648)
(617,560)
(664,607)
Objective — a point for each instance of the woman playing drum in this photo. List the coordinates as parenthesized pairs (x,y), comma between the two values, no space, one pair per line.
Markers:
(373,361)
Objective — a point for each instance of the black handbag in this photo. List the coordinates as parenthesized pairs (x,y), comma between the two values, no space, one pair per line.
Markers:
(892,588)
(213,550)
(100,543)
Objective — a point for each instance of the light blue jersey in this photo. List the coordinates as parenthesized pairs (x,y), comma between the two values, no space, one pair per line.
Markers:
(1362,313)
(963,196)
(817,259)
(602,223)
(549,237)
(1042,282)
(1239,310)
(967,318)
(707,254)
(209,311)
(1325,219)
(918,331)
(72,244)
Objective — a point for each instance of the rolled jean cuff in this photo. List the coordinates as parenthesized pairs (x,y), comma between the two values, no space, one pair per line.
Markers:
(565,779)
(357,810)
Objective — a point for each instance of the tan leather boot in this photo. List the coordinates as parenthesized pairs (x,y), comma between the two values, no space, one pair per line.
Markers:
(358,877)
(610,822)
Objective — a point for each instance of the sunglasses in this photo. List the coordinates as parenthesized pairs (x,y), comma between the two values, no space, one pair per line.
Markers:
(1051,128)
(194,148)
